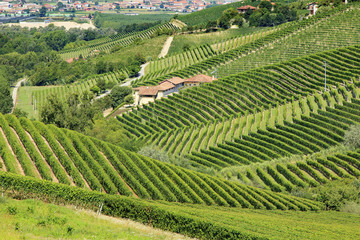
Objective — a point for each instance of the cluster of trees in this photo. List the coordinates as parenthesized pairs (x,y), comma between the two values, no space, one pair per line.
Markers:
(6,102)
(33,52)
(265,16)
(81,113)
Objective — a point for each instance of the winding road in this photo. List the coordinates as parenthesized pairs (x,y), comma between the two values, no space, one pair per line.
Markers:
(163,53)
(15,93)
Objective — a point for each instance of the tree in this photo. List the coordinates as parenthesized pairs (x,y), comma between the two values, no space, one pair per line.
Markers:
(100,67)
(225,20)
(352,136)
(42,12)
(75,113)
(55,39)
(6,101)
(129,99)
(20,113)
(265,4)
(95,89)
(118,95)
(101,84)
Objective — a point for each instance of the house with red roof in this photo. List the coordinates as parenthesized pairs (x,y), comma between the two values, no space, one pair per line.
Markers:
(146,94)
(244,9)
(313,7)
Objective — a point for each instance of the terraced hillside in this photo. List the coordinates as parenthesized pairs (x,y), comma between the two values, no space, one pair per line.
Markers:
(246,92)
(299,137)
(186,140)
(105,44)
(339,30)
(63,156)
(179,61)
(311,172)
(320,30)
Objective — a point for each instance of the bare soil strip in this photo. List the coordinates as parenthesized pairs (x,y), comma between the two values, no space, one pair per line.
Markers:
(166,47)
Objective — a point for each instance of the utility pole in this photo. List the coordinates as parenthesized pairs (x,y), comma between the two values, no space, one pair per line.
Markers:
(325,76)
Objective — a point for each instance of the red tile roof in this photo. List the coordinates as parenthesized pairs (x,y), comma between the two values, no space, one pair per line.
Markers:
(147,90)
(200,78)
(176,80)
(165,85)
(246,7)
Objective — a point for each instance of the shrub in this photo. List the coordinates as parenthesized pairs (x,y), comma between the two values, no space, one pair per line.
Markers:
(352,136)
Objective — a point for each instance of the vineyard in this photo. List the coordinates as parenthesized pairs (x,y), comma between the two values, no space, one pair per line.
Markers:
(300,137)
(246,92)
(299,32)
(63,156)
(279,177)
(105,44)
(267,150)
(208,222)
(179,61)
(339,30)
(219,132)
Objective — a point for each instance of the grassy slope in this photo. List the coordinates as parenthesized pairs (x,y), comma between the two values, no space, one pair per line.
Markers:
(195,40)
(149,48)
(281,224)
(36,219)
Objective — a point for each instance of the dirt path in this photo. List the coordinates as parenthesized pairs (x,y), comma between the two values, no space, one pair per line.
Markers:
(127,83)
(15,93)
(166,47)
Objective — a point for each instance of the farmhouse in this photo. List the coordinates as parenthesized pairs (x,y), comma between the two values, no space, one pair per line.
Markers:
(313,7)
(244,9)
(146,94)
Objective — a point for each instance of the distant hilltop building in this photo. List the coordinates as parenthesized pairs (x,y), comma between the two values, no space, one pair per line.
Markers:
(313,7)
(244,9)
(146,94)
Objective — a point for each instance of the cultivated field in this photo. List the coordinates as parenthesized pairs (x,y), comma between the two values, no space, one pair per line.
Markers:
(66,25)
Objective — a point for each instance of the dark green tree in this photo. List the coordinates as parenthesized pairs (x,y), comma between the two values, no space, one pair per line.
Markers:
(6,102)
(118,95)
(42,12)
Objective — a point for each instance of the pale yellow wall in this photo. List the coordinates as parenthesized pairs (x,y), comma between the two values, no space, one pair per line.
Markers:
(146,100)
(160,94)
(136,97)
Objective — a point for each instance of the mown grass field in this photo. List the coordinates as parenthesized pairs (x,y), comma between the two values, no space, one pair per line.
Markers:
(33,219)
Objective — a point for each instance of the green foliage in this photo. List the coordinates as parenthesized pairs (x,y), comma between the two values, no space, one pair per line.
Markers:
(352,136)
(75,113)
(335,194)
(20,113)
(209,14)
(107,130)
(6,101)
(118,95)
